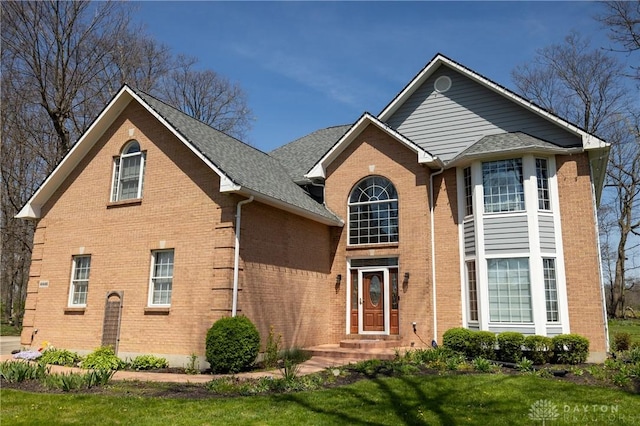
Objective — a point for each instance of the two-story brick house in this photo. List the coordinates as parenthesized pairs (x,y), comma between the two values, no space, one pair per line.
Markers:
(460,204)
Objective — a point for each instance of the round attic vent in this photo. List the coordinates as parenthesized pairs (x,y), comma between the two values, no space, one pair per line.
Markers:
(442,84)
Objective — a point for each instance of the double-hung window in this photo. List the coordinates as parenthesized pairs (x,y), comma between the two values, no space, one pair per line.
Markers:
(503,188)
(161,278)
(128,173)
(373,212)
(80,281)
(472,288)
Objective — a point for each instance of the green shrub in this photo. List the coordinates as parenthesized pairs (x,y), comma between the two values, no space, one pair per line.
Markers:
(232,344)
(272,350)
(458,339)
(570,348)
(510,346)
(483,344)
(148,362)
(103,358)
(60,357)
(621,342)
(539,349)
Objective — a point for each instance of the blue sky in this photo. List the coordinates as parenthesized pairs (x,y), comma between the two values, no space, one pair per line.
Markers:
(310,65)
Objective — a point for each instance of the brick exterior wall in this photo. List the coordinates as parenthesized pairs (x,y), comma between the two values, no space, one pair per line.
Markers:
(580,250)
(181,209)
(373,152)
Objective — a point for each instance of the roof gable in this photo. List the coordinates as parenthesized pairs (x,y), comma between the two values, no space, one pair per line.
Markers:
(242,168)
(318,171)
(587,140)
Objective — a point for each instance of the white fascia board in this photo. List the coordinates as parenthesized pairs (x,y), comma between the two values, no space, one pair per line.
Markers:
(319,170)
(281,205)
(226,183)
(31,210)
(588,140)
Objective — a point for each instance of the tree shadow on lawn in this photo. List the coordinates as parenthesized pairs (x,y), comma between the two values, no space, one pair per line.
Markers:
(414,402)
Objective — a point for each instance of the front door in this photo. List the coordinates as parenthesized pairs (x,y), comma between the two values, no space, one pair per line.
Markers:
(373,301)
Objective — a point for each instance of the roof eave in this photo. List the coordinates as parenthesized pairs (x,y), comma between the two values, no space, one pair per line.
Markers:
(283,205)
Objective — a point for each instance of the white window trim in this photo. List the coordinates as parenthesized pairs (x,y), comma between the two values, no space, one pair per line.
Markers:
(116,183)
(150,303)
(350,204)
(72,287)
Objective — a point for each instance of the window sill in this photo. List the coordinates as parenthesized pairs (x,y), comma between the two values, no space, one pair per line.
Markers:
(372,246)
(132,202)
(76,310)
(157,311)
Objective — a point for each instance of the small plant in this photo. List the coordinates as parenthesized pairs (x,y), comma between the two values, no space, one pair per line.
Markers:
(290,370)
(148,362)
(576,371)
(103,358)
(193,366)
(19,371)
(481,364)
(98,377)
(510,345)
(272,350)
(63,357)
(232,344)
(539,349)
(64,381)
(621,342)
(570,348)
(454,362)
(524,365)
(223,385)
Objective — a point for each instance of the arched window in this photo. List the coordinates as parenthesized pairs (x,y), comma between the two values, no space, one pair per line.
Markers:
(128,173)
(373,212)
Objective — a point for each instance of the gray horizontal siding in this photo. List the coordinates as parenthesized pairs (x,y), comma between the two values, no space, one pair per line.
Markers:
(445,124)
(547,234)
(524,329)
(554,330)
(469,238)
(506,234)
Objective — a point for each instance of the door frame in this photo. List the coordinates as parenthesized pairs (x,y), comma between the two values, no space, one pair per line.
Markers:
(386,300)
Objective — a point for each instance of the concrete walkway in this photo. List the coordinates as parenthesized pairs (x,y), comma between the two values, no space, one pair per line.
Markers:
(9,344)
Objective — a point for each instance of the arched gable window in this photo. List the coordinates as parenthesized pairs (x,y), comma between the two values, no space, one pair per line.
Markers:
(373,212)
(128,173)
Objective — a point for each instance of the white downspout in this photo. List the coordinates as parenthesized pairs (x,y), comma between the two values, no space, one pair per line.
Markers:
(236,261)
(433,252)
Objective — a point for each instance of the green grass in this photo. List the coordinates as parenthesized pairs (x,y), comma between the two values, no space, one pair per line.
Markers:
(9,330)
(631,326)
(496,399)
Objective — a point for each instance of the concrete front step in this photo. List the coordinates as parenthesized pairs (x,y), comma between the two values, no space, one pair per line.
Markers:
(368,344)
(363,353)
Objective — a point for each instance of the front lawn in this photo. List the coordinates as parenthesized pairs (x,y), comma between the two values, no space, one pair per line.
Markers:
(496,399)
(631,326)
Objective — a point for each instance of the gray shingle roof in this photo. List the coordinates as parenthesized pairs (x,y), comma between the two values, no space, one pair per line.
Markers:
(299,156)
(506,142)
(243,164)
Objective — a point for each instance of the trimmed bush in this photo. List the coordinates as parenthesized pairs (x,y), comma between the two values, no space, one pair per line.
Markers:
(483,344)
(232,344)
(510,346)
(539,349)
(570,349)
(458,340)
